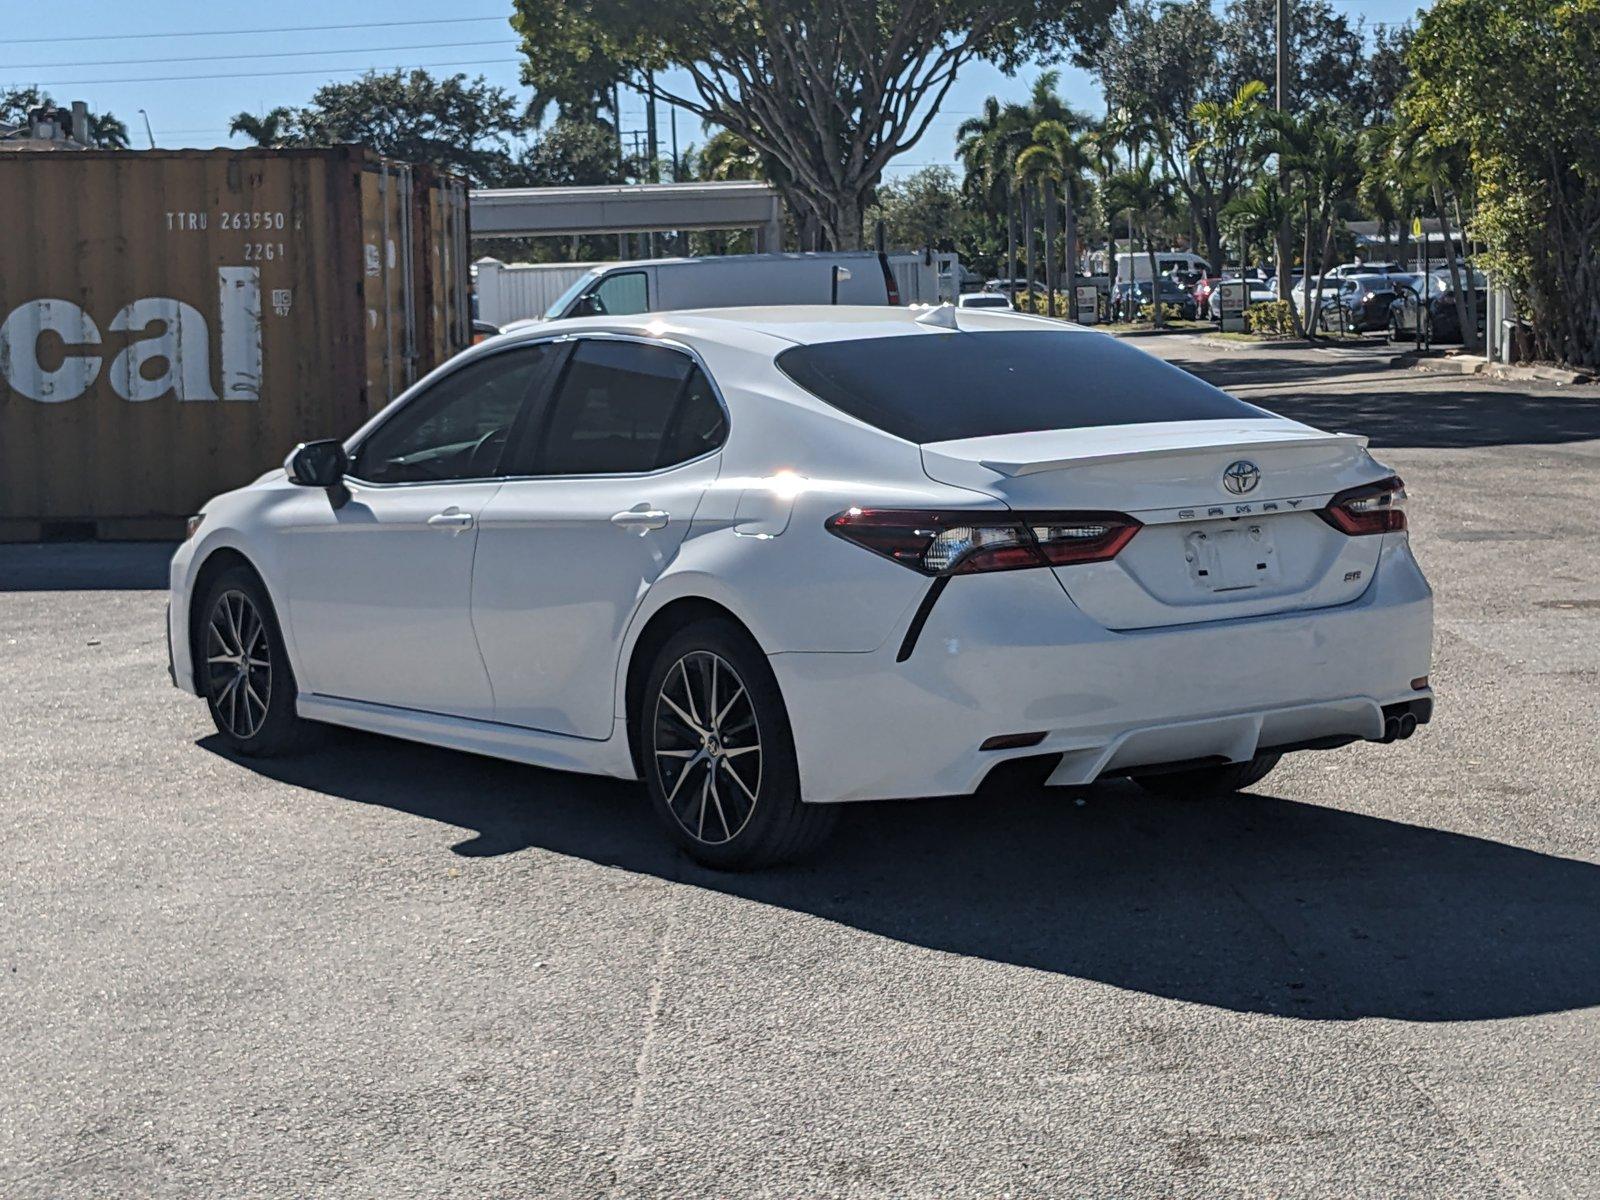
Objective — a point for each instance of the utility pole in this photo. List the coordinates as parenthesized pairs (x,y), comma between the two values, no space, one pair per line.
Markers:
(616,117)
(654,165)
(1278,100)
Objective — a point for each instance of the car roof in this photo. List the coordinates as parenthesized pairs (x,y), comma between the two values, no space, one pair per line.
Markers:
(769,328)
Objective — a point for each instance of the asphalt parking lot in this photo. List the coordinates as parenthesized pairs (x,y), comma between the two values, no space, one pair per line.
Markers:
(387,970)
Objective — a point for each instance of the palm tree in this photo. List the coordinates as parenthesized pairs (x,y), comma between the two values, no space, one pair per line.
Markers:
(1435,167)
(277,128)
(1335,176)
(1147,199)
(1060,157)
(108,133)
(1258,214)
(987,146)
(728,156)
(1386,191)
(1228,148)
(1293,140)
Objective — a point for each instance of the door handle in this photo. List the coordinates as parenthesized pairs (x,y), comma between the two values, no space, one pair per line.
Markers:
(642,519)
(451,518)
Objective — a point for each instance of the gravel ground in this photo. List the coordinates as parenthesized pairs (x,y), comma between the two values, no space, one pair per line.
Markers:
(387,970)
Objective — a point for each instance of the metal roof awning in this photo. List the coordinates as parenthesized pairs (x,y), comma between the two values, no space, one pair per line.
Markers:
(630,208)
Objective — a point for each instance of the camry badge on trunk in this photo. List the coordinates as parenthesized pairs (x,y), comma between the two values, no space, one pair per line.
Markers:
(1241,477)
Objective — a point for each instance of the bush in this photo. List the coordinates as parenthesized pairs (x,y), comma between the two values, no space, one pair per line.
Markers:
(1169,312)
(1273,319)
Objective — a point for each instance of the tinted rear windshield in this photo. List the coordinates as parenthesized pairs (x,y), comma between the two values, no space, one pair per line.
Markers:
(940,387)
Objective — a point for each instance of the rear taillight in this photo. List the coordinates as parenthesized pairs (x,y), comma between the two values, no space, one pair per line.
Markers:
(891,285)
(966,543)
(1371,508)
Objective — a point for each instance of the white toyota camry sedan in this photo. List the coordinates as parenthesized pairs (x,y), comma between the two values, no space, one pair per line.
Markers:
(768,560)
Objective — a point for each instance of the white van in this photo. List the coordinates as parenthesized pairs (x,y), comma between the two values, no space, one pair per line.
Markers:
(1137,266)
(657,284)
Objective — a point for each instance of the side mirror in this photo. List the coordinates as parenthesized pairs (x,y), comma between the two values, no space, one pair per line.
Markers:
(317,464)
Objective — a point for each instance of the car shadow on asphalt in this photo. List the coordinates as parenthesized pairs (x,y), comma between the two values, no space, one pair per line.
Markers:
(1399,414)
(1254,903)
(85,566)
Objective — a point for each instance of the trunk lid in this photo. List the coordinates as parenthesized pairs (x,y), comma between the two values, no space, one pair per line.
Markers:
(1210,549)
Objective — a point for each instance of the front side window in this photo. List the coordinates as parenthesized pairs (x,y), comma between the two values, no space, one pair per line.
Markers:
(458,428)
(620,295)
(625,408)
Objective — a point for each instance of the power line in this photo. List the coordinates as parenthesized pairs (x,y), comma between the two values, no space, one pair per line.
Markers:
(473,62)
(128,37)
(134,62)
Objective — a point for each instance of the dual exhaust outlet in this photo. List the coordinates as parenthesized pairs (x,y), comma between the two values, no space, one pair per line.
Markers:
(1399,726)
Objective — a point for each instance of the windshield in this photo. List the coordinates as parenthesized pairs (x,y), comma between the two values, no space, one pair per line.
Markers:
(936,387)
(564,301)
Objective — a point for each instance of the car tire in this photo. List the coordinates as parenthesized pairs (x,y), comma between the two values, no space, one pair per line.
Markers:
(243,669)
(718,754)
(1203,782)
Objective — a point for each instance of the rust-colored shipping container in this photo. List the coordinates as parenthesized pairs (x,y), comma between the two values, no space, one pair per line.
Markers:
(172,323)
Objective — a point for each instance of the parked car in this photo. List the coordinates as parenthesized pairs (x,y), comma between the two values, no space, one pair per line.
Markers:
(1361,303)
(1127,299)
(1014,287)
(984,300)
(1258,292)
(1440,321)
(1345,270)
(767,560)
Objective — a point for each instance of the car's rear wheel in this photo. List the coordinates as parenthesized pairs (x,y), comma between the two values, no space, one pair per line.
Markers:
(1203,782)
(244,670)
(719,757)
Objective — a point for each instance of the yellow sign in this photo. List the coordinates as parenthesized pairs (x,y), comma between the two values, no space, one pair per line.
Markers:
(1416,227)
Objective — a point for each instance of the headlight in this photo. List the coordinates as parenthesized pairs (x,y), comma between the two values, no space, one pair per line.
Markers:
(192,526)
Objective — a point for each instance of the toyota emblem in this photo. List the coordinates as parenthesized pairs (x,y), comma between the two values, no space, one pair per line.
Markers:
(1241,477)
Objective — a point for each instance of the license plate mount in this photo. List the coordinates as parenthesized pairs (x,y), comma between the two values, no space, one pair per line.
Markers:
(1231,560)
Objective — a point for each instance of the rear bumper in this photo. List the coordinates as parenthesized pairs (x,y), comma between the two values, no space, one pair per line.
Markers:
(1009,654)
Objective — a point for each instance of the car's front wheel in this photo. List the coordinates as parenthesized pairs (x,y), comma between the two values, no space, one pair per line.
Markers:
(244,669)
(719,758)
(1203,782)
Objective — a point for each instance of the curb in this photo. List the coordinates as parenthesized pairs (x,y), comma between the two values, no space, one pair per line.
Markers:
(1217,343)
(1542,374)
(1139,333)
(1461,364)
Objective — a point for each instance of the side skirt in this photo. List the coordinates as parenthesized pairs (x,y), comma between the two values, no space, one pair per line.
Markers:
(511,742)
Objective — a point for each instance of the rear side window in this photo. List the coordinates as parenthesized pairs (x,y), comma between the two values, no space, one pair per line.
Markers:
(623,408)
(938,387)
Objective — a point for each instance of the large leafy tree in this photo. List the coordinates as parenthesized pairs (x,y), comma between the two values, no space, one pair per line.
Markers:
(455,123)
(1195,78)
(830,89)
(1512,82)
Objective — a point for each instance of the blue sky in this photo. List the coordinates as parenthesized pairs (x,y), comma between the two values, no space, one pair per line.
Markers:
(191,85)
